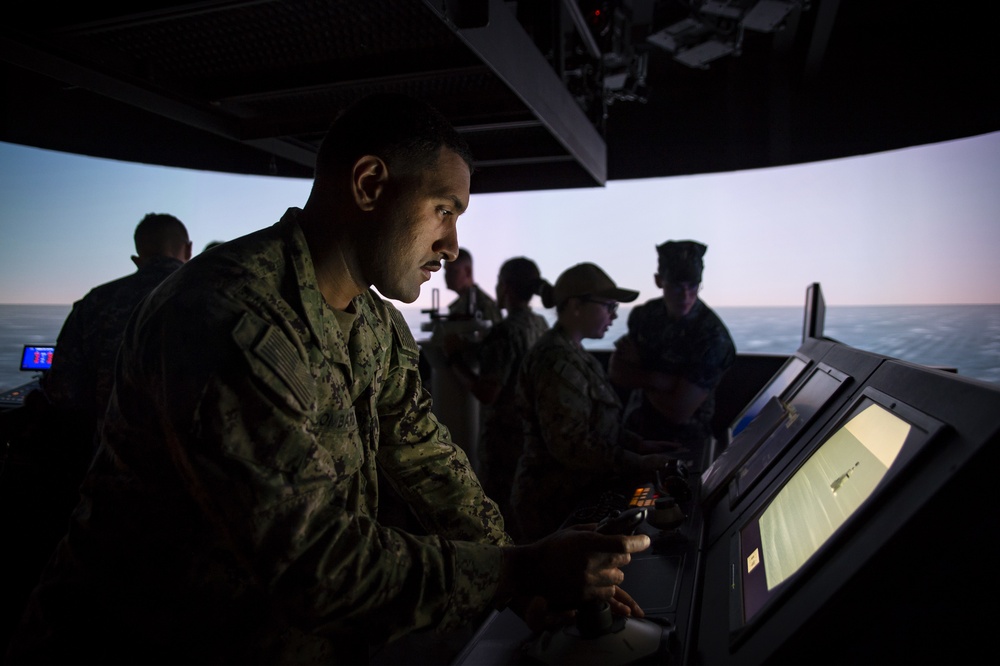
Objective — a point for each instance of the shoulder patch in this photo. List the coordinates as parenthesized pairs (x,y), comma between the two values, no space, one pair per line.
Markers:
(402,330)
(276,352)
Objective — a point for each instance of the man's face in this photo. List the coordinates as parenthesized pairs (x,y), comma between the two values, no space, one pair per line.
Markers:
(417,227)
(679,297)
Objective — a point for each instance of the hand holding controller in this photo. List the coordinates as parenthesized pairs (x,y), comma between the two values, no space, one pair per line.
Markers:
(624,522)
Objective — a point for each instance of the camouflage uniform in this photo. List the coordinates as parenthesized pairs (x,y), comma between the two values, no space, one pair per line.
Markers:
(83,367)
(502,435)
(573,434)
(231,514)
(697,347)
(484,304)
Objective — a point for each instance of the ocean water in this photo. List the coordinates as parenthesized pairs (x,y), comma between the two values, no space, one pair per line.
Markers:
(965,337)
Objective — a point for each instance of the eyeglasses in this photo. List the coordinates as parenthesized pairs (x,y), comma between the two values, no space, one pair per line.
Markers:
(680,287)
(611,306)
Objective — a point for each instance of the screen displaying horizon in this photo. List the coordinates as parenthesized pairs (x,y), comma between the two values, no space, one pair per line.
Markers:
(827,490)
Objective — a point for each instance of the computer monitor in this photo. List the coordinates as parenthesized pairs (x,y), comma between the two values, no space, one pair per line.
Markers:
(855,462)
(801,407)
(786,375)
(37,358)
(814,319)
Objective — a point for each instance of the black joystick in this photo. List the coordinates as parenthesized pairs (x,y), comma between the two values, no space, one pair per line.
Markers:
(672,480)
(623,522)
(594,618)
(598,636)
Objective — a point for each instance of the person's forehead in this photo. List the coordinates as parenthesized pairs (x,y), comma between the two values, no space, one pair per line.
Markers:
(449,178)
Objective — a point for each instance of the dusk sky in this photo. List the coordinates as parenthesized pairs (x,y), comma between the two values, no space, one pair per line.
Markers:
(914,226)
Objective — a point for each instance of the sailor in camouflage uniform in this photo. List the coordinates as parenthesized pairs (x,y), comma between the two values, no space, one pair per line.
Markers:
(674,355)
(495,385)
(232,513)
(472,301)
(79,383)
(574,444)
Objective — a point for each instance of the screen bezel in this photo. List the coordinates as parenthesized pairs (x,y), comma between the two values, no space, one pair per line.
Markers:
(30,349)
(744,480)
(767,392)
(924,430)
(744,443)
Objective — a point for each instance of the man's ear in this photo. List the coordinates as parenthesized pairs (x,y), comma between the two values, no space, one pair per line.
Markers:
(368,179)
(659,282)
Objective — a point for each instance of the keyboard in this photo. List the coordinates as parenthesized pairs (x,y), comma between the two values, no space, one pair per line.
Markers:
(14,397)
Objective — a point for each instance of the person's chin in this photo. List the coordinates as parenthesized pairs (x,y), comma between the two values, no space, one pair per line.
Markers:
(402,293)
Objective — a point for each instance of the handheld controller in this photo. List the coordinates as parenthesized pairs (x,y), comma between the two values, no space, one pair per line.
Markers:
(624,522)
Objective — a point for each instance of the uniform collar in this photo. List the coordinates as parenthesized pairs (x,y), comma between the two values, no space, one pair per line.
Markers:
(321,321)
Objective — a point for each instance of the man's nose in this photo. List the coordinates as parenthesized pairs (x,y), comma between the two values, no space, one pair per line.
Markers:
(447,245)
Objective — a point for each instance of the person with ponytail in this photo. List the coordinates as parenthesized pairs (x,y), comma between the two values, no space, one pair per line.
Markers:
(495,385)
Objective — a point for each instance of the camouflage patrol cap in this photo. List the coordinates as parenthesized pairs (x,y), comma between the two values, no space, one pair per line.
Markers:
(681,261)
(589,280)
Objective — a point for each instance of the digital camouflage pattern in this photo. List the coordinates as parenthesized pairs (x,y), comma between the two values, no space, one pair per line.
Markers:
(232,512)
(83,366)
(502,435)
(697,347)
(482,303)
(573,434)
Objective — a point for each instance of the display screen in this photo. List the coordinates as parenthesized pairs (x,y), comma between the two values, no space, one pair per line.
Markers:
(719,473)
(37,358)
(801,407)
(818,499)
(782,380)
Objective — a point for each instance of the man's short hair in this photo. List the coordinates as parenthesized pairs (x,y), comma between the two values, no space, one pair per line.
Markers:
(463,256)
(406,133)
(160,234)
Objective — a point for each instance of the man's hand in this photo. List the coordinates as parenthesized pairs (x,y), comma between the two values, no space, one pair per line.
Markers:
(654,462)
(538,616)
(571,566)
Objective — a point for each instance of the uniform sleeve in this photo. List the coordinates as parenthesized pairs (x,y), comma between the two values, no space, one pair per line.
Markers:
(69,385)
(417,453)
(282,487)
(577,417)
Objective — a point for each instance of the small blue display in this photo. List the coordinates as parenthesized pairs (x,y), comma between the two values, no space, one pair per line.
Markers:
(37,358)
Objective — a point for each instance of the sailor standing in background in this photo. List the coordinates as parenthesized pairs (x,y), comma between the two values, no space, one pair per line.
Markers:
(471,299)
(82,373)
(495,385)
(674,354)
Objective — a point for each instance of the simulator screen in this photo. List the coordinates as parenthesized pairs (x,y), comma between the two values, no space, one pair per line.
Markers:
(820,497)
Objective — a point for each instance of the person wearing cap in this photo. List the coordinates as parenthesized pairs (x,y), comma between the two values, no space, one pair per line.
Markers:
(574,444)
(674,354)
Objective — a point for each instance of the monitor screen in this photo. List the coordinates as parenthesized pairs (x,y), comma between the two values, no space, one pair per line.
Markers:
(37,358)
(788,373)
(801,407)
(715,479)
(753,425)
(853,462)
